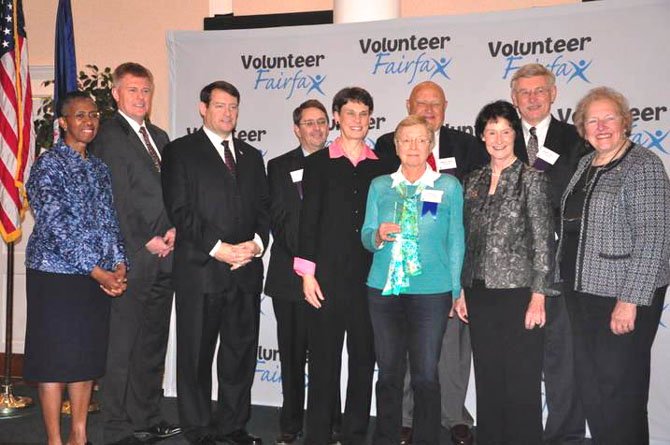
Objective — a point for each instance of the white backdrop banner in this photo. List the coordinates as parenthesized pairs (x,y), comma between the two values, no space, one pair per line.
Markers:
(615,43)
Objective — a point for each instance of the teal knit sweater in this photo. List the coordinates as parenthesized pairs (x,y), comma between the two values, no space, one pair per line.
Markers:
(441,237)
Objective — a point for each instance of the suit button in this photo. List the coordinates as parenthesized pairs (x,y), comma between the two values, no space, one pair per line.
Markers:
(356,212)
(356,230)
(355,191)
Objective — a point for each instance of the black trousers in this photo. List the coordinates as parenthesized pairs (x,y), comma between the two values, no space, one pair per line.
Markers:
(202,319)
(139,326)
(292,342)
(565,420)
(508,366)
(613,370)
(340,312)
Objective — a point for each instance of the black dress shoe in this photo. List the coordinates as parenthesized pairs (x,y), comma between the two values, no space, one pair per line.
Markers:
(406,436)
(128,440)
(240,437)
(288,438)
(461,435)
(162,430)
(336,438)
(202,440)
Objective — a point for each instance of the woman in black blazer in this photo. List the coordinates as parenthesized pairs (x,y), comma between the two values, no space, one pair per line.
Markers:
(334,266)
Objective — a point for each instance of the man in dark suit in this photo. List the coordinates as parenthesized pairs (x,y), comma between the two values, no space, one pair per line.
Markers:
(456,153)
(216,194)
(140,321)
(554,147)
(310,125)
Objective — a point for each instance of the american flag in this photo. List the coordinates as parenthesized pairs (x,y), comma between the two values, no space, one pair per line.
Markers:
(16,126)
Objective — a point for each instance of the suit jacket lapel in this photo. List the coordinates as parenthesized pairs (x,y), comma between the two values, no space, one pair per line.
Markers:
(157,137)
(444,144)
(297,163)
(213,155)
(135,142)
(553,139)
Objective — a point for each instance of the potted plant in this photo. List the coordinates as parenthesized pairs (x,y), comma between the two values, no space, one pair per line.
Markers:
(96,82)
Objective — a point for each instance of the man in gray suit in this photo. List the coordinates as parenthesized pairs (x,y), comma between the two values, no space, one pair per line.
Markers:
(140,321)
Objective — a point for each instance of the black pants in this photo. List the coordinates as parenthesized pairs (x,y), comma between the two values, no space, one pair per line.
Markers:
(613,370)
(233,317)
(292,342)
(508,366)
(565,420)
(139,325)
(340,312)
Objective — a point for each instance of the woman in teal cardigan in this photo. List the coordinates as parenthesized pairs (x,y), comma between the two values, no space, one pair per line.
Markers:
(414,226)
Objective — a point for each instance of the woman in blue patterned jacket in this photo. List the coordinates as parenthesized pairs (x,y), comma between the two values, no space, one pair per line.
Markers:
(613,257)
(74,260)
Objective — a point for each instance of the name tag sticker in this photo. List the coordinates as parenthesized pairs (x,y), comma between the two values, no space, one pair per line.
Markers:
(446,164)
(296,175)
(432,196)
(547,155)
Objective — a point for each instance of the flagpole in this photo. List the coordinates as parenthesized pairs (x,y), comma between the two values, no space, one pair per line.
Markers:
(12,406)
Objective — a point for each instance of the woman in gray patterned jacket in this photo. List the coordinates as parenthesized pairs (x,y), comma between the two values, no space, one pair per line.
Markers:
(613,256)
(507,273)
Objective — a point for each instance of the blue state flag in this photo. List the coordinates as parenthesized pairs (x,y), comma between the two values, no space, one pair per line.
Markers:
(65,66)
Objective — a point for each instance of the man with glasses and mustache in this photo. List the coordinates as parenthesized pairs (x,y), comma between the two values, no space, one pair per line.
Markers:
(457,153)
(310,125)
(555,148)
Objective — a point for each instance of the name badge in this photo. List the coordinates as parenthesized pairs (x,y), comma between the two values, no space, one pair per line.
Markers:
(446,164)
(296,175)
(547,155)
(432,196)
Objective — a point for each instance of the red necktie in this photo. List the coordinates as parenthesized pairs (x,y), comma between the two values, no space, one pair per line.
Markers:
(431,162)
(150,148)
(228,158)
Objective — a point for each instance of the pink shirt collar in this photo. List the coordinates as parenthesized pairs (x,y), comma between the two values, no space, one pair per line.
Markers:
(335,151)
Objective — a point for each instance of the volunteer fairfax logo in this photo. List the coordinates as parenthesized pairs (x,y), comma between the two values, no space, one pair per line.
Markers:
(561,56)
(391,56)
(288,73)
(268,365)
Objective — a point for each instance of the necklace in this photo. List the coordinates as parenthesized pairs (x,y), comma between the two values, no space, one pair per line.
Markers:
(588,179)
(593,170)
(623,145)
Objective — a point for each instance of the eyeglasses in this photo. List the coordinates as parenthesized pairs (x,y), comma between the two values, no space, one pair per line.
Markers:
(606,121)
(539,91)
(314,123)
(81,115)
(420,142)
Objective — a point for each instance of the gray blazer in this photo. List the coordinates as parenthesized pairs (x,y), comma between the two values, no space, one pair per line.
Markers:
(518,229)
(624,241)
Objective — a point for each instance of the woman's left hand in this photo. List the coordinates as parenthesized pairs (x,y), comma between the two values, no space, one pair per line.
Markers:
(535,314)
(623,318)
(386,232)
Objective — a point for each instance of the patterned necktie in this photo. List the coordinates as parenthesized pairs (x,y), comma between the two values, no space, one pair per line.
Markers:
(532,146)
(150,148)
(228,158)
(431,162)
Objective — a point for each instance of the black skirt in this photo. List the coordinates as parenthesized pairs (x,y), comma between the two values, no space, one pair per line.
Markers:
(67,328)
